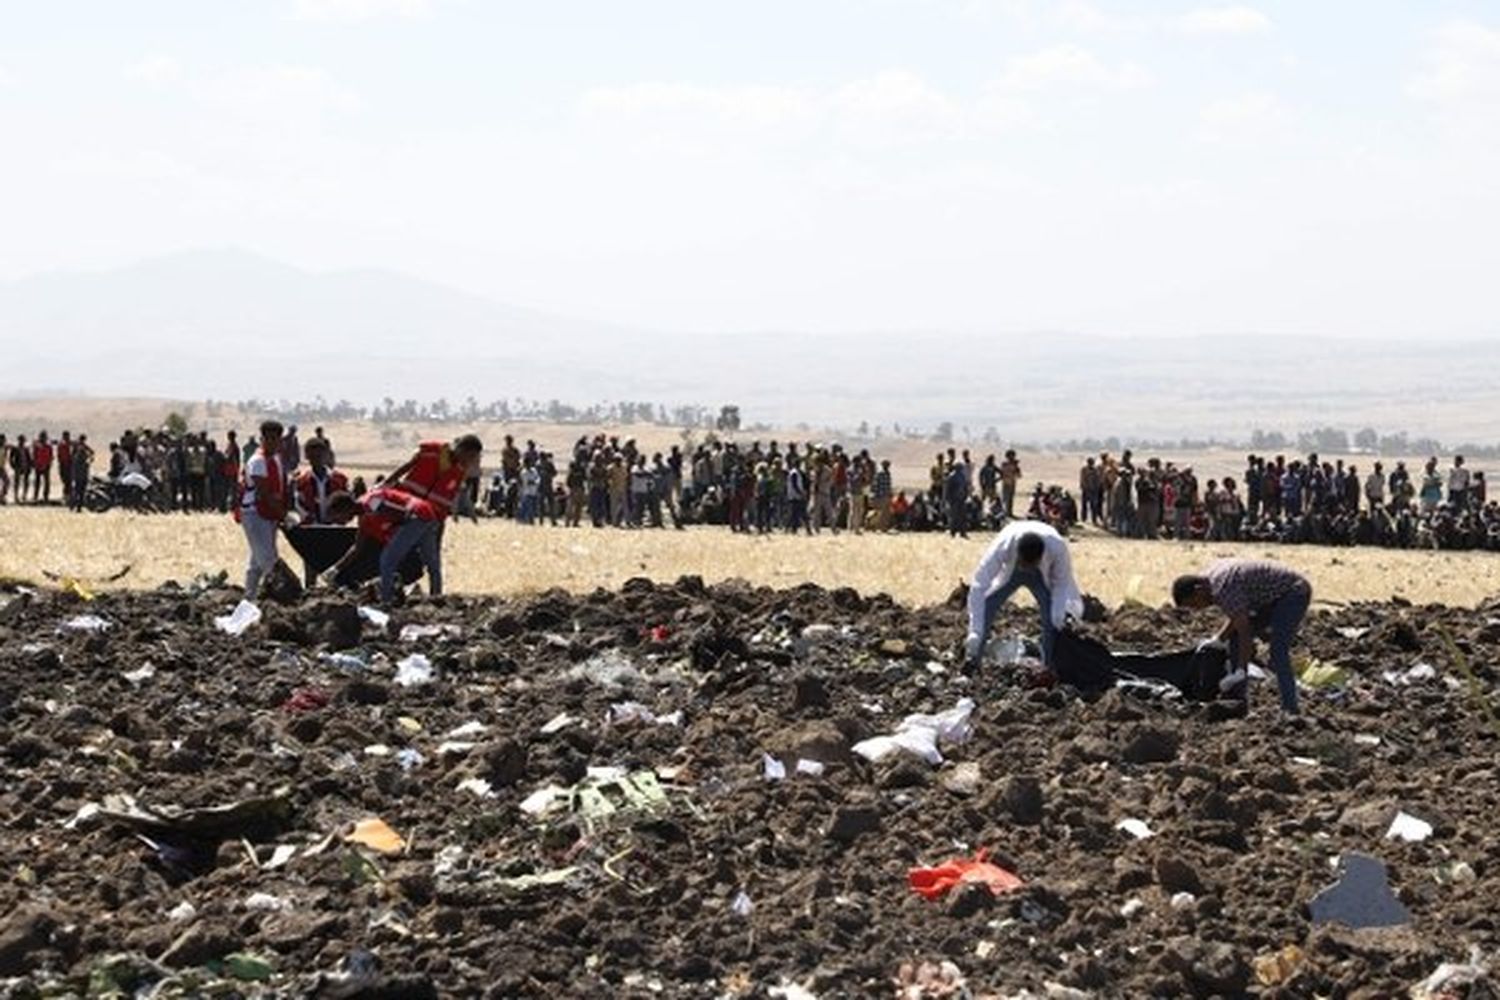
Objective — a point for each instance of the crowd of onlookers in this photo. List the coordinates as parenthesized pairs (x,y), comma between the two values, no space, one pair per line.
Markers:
(1309,501)
(604,480)
(165,471)
(791,487)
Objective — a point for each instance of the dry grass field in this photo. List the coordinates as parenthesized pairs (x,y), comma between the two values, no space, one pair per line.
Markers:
(505,558)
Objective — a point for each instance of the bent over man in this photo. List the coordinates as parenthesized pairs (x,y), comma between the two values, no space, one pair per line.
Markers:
(1026,554)
(424,490)
(1256,596)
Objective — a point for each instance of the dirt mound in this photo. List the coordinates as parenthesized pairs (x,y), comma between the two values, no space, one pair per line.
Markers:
(577,799)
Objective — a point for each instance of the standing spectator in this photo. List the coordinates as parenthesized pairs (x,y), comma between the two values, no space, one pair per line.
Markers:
(41,469)
(1375,488)
(1432,487)
(197,473)
(1458,484)
(291,450)
(263,506)
(4,470)
(20,467)
(881,491)
(229,471)
(81,457)
(1010,475)
(956,500)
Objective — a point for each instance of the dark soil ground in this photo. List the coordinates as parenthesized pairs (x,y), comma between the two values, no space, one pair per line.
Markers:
(1248,813)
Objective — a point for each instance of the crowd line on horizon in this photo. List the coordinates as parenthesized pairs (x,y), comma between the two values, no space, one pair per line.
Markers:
(807,487)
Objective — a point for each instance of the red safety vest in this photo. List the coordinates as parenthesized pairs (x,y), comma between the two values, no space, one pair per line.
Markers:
(433,482)
(270,501)
(313,502)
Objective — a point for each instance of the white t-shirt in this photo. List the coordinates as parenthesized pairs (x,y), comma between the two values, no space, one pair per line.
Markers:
(1458,478)
(255,469)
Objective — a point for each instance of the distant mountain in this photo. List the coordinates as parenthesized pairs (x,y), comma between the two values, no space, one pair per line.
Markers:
(230,325)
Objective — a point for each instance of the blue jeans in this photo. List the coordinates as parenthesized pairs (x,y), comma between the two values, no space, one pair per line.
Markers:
(414,534)
(1282,620)
(1032,580)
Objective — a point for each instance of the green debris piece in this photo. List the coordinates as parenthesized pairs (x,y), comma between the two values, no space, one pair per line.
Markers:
(248,967)
(360,869)
(644,791)
(593,804)
(1315,673)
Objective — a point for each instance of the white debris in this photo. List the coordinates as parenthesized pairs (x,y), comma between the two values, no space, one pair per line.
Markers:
(610,668)
(450,747)
(557,723)
(244,615)
(1367,739)
(416,633)
(414,670)
(543,800)
(921,734)
(477,786)
(182,911)
(264,902)
(409,758)
(377,750)
(741,906)
(1132,906)
(283,854)
(774,769)
(87,623)
(447,859)
(1413,675)
(1447,979)
(1409,828)
(789,990)
(471,728)
(1137,828)
(811,768)
(374,616)
(634,711)
(1183,901)
(85,812)
(142,673)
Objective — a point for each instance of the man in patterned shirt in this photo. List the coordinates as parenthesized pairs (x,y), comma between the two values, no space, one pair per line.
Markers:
(1256,597)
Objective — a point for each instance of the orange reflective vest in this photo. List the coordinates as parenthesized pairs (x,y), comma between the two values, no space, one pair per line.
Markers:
(312,494)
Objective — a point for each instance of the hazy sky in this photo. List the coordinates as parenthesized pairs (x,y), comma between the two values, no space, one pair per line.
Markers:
(1295,167)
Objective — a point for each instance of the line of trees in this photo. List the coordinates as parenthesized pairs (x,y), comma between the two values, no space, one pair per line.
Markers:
(472,411)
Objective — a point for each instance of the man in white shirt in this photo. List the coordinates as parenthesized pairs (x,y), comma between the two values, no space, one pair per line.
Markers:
(1027,554)
(1458,484)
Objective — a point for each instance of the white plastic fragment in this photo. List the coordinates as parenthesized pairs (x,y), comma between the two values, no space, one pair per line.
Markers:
(543,800)
(773,769)
(182,911)
(1183,901)
(634,711)
(86,623)
(414,670)
(1137,828)
(1132,906)
(244,615)
(557,723)
(741,906)
(811,768)
(409,758)
(415,633)
(471,728)
(1409,828)
(264,902)
(1448,979)
(281,856)
(478,787)
(374,616)
(791,990)
(142,673)
(920,734)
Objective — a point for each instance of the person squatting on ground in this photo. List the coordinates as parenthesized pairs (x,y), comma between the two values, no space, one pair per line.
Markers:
(262,506)
(1024,554)
(425,490)
(1257,597)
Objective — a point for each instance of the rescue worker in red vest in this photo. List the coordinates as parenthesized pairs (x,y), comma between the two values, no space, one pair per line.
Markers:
(315,484)
(263,505)
(425,490)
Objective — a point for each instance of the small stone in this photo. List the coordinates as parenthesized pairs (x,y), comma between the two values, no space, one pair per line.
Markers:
(1176,875)
(851,822)
(1022,798)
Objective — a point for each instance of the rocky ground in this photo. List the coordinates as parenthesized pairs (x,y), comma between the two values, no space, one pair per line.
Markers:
(176,800)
